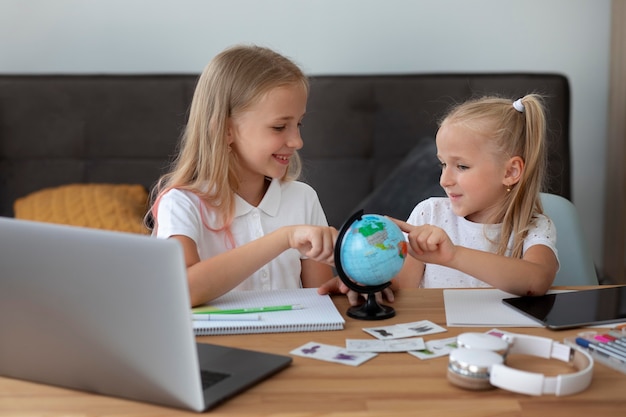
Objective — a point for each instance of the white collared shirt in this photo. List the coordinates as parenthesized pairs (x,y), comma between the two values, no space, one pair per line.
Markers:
(284,203)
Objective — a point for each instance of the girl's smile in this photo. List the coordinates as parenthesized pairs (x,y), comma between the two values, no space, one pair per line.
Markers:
(282,159)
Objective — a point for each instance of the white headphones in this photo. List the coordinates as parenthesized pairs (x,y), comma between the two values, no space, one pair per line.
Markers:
(478,364)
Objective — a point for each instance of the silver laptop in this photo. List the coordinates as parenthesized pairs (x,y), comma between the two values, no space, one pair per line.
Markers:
(108,312)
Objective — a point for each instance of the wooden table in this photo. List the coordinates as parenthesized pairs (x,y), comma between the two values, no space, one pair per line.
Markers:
(392,384)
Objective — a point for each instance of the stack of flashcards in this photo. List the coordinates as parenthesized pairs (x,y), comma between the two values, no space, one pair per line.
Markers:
(404,337)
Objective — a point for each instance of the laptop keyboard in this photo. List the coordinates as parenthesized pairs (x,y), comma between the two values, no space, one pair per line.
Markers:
(210,378)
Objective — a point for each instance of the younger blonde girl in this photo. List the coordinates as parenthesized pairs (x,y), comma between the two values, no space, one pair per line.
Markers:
(490,230)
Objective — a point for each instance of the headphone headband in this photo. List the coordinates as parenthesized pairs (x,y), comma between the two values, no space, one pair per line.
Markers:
(531,383)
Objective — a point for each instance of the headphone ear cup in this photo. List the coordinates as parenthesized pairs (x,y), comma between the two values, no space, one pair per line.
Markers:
(469,368)
(470,383)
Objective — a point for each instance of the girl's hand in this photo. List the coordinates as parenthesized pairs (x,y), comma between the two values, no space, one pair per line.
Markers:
(336,286)
(429,244)
(314,242)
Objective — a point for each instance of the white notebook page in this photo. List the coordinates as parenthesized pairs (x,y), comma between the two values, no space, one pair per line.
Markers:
(482,308)
(318,313)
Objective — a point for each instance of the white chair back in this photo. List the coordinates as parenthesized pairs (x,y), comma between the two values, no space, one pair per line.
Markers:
(577,267)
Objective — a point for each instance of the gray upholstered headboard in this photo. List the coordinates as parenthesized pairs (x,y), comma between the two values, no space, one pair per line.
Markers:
(61,129)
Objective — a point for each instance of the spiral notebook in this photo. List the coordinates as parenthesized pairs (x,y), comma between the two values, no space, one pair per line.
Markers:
(318,313)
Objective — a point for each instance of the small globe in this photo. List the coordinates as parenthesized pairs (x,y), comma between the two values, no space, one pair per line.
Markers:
(372,250)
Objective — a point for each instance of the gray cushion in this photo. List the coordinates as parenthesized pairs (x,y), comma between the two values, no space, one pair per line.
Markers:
(413,180)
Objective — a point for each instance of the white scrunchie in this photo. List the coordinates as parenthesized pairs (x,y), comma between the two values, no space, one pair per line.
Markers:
(518,105)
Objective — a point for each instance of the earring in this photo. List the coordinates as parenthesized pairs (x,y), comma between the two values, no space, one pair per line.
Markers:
(508,188)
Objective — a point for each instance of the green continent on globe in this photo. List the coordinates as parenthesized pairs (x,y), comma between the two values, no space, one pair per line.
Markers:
(376,235)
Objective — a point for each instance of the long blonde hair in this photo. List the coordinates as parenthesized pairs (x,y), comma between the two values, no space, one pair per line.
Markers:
(514,133)
(233,81)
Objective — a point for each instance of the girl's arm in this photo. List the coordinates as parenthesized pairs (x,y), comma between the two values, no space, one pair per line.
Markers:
(411,274)
(531,275)
(213,277)
(315,274)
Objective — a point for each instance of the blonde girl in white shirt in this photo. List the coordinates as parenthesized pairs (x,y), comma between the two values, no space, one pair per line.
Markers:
(490,231)
(230,198)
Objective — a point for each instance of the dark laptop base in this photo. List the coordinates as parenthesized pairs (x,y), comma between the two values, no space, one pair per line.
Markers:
(242,367)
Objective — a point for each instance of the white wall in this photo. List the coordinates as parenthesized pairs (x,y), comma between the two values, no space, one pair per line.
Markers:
(336,37)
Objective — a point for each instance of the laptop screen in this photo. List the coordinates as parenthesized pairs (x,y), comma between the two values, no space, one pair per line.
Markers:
(107,312)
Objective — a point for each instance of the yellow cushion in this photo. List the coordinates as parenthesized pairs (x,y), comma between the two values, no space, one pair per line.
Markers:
(118,207)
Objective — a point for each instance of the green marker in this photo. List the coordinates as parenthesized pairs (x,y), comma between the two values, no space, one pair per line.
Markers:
(212,310)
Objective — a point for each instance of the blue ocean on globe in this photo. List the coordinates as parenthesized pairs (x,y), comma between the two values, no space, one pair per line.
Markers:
(373,250)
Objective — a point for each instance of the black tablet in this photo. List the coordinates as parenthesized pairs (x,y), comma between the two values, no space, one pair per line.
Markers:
(565,310)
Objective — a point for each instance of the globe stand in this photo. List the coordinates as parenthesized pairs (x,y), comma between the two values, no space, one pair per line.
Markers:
(370,309)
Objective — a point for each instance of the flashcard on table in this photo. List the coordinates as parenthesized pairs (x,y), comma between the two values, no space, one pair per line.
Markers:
(400,331)
(331,353)
(501,334)
(435,348)
(368,345)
